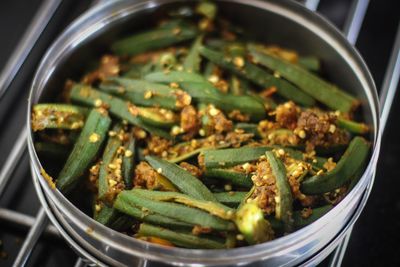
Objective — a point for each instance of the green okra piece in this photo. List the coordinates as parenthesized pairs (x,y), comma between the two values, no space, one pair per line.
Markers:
(310,63)
(213,208)
(140,214)
(128,162)
(176,77)
(119,108)
(300,222)
(176,211)
(143,93)
(249,128)
(203,91)
(206,93)
(52,150)
(85,150)
(58,116)
(231,199)
(154,39)
(258,76)
(166,61)
(283,198)
(229,157)
(324,92)
(111,153)
(194,152)
(230,175)
(182,239)
(182,179)
(193,59)
(251,223)
(349,164)
(353,126)
(112,218)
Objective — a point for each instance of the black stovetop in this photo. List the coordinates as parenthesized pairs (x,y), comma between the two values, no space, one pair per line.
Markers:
(375,238)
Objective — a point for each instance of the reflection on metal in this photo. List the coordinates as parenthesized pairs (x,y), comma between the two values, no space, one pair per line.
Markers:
(27,42)
(355,19)
(390,82)
(31,240)
(12,160)
(311,4)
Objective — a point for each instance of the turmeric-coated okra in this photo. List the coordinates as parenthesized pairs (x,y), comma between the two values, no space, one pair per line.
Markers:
(117,107)
(190,134)
(258,76)
(85,150)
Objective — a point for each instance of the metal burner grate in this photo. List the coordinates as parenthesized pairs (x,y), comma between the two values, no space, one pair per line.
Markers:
(39,225)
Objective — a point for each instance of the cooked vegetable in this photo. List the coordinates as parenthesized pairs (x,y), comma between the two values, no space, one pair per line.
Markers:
(258,76)
(119,108)
(321,90)
(179,212)
(183,180)
(215,142)
(85,150)
(348,165)
(181,239)
(154,39)
(58,116)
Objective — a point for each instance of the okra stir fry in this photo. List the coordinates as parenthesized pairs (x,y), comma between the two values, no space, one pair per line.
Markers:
(190,134)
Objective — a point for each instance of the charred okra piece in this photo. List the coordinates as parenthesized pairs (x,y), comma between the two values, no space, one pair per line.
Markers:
(85,150)
(251,223)
(182,239)
(257,75)
(351,161)
(326,93)
(284,199)
(182,179)
(146,93)
(154,39)
(119,108)
(57,116)
(176,211)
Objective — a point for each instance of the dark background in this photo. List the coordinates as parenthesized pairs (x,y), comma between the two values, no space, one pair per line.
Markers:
(376,235)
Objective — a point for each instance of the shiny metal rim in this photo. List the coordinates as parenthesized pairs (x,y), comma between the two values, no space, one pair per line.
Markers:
(280,245)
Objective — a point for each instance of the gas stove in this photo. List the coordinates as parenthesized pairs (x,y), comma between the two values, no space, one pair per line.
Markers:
(29,27)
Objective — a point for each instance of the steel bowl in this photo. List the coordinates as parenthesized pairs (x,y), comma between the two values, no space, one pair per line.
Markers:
(284,23)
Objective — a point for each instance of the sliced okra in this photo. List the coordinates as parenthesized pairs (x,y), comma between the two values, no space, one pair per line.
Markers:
(249,71)
(349,164)
(85,150)
(121,109)
(58,116)
(182,179)
(326,93)
(283,198)
(154,39)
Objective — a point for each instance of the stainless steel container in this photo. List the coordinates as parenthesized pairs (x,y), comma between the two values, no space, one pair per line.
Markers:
(281,22)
